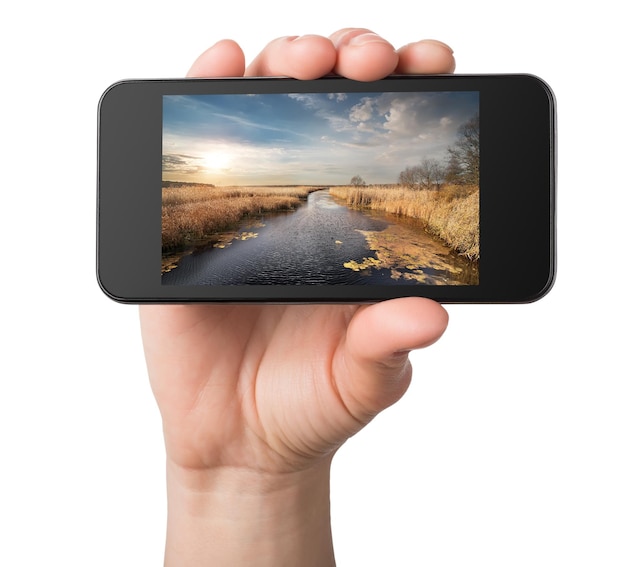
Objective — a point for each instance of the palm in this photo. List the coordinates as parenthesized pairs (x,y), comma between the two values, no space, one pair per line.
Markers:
(277,387)
(250,386)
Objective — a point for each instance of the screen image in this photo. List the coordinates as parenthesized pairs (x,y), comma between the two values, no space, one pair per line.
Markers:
(352,188)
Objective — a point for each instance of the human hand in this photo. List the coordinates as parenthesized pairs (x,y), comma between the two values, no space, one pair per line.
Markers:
(257,399)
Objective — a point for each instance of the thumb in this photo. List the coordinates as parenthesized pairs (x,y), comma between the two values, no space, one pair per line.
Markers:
(375,369)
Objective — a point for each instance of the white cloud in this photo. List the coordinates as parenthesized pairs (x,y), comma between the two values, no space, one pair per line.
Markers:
(363,127)
(306,100)
(339,97)
(401,119)
(363,111)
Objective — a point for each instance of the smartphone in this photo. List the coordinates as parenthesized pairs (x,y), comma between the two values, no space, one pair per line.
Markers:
(252,190)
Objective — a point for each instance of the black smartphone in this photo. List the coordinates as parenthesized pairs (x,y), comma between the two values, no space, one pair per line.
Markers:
(331,190)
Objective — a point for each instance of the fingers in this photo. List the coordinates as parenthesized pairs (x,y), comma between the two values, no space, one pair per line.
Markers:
(304,57)
(373,371)
(224,59)
(356,53)
(426,56)
(363,55)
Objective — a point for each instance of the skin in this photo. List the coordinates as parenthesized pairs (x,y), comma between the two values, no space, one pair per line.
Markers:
(256,400)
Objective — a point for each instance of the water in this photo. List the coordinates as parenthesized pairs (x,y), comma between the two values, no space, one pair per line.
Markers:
(312,246)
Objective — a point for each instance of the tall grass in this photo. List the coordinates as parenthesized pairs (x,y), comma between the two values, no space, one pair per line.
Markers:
(192,214)
(450,213)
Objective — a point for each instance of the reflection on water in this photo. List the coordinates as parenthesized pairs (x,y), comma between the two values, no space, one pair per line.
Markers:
(322,243)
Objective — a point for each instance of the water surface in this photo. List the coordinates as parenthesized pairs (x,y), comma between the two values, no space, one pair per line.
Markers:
(324,243)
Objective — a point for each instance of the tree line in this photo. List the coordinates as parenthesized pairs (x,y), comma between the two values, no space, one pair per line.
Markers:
(177,184)
(461,166)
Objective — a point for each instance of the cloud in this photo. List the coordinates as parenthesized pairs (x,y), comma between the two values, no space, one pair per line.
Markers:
(339,97)
(402,118)
(180,163)
(308,101)
(363,127)
(363,111)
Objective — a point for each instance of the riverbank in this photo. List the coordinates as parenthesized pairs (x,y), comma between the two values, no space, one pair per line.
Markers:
(322,242)
(196,213)
(450,213)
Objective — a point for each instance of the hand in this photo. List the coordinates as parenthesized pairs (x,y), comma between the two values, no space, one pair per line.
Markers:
(255,400)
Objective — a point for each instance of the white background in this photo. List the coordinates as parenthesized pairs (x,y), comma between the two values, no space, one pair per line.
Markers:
(509,448)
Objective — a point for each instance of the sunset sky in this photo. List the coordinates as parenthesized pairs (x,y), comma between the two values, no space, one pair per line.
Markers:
(307,139)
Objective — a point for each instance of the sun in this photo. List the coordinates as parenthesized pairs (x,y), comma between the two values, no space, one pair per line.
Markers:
(216,160)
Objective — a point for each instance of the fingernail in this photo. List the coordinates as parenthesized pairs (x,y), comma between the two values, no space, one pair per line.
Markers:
(365,38)
(437,42)
(306,36)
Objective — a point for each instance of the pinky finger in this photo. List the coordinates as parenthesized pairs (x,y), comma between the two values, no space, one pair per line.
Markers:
(428,56)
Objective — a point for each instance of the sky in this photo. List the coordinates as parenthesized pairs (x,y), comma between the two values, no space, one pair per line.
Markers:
(308,138)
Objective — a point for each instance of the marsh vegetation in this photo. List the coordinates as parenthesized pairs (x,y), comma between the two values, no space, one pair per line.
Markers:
(196,213)
(450,213)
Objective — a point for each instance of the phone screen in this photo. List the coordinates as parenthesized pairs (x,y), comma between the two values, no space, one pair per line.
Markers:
(321,188)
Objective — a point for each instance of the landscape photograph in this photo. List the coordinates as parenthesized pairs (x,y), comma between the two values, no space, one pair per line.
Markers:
(374,188)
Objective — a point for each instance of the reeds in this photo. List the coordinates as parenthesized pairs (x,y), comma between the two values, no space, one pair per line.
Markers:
(191,214)
(450,213)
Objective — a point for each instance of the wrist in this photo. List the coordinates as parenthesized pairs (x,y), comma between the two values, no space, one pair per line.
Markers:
(233,516)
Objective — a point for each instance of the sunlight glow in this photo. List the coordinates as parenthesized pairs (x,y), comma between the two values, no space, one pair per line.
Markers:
(216,160)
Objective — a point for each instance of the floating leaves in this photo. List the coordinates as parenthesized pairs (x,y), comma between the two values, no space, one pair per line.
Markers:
(410,256)
(364,265)
(227,239)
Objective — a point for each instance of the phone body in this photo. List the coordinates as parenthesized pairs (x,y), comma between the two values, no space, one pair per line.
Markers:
(251,190)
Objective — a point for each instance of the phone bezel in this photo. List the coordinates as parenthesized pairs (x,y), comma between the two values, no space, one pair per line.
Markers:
(517,190)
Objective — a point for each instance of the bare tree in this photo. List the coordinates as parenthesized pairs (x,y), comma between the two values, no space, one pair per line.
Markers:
(410,176)
(466,152)
(454,171)
(433,173)
(428,175)
(357,181)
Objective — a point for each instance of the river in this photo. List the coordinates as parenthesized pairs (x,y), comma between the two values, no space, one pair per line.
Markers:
(322,243)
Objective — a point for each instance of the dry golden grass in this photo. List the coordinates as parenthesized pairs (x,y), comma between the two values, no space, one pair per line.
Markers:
(451,213)
(195,213)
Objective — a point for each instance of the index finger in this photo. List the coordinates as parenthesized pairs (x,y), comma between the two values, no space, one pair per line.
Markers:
(224,59)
